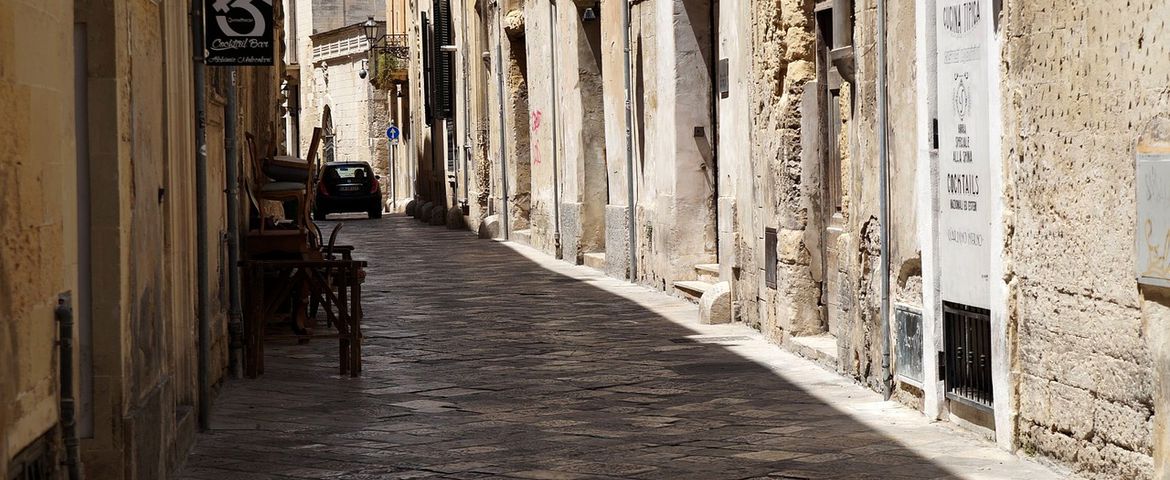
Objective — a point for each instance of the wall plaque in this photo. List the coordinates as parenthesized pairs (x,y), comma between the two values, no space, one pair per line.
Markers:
(238,32)
(1153,204)
(965,32)
(908,359)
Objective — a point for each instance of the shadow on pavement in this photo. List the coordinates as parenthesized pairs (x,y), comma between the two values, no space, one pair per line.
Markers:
(480,363)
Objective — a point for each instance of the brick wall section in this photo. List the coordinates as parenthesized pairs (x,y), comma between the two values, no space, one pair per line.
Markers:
(1081,78)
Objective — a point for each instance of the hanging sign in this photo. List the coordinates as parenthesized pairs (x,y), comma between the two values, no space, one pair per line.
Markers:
(239,32)
(965,30)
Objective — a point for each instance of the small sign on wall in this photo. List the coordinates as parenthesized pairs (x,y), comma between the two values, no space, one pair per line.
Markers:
(908,359)
(724,78)
(1153,204)
(239,32)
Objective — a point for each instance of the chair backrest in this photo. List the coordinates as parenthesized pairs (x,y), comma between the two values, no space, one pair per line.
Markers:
(332,241)
(258,176)
(316,142)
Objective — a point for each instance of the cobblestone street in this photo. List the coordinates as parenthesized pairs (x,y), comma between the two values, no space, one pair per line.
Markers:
(486,360)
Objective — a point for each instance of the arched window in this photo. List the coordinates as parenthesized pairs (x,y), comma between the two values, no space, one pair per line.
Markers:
(327,129)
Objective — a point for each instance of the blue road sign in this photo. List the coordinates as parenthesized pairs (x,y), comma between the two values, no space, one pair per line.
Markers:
(392,133)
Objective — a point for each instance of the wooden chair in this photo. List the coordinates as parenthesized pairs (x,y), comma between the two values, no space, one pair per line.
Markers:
(266,189)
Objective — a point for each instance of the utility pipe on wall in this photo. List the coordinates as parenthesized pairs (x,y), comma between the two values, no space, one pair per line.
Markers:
(631,222)
(504,220)
(883,196)
(232,188)
(64,315)
(201,216)
(467,141)
(552,21)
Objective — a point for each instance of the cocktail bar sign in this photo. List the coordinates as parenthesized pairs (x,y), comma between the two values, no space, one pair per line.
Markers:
(239,32)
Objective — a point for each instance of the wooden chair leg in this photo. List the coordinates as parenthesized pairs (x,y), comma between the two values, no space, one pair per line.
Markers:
(344,338)
(355,328)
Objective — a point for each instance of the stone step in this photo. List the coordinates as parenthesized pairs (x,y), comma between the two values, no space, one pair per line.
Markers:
(708,272)
(595,260)
(821,349)
(522,236)
(692,289)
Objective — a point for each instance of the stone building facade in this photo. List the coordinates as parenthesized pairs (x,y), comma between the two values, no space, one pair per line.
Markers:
(998,253)
(329,72)
(98,213)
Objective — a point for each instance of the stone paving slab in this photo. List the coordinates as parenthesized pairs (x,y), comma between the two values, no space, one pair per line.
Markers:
(492,360)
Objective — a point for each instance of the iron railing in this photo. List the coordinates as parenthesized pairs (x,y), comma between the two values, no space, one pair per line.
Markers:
(968,355)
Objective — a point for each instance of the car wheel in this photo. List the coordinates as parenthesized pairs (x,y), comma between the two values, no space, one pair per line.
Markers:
(375,212)
(319,213)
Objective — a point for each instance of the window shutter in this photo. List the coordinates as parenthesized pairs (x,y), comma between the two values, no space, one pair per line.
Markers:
(444,61)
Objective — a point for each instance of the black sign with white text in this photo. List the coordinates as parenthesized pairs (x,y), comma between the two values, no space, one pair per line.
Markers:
(239,32)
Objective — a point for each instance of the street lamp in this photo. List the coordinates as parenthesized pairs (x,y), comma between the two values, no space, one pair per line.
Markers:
(371,28)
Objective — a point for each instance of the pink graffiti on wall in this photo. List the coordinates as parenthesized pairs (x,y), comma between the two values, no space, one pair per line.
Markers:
(536,137)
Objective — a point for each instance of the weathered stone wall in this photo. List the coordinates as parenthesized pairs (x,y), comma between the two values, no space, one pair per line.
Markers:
(736,179)
(1080,81)
(37,212)
(333,14)
(137,122)
(543,111)
(581,127)
(858,311)
(783,63)
(672,60)
(516,120)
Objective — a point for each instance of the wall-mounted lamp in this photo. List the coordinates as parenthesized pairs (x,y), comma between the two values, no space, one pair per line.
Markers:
(371,28)
(590,13)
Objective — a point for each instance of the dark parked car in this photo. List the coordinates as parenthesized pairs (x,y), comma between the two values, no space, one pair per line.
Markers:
(348,187)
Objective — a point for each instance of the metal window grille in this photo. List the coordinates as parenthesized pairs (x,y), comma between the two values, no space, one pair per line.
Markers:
(968,355)
(36,462)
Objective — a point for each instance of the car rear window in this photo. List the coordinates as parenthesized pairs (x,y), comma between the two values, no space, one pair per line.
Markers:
(348,171)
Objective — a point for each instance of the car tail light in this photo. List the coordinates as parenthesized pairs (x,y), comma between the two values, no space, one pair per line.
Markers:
(374,185)
(321,188)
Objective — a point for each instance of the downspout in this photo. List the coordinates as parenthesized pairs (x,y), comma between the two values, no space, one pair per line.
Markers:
(203,301)
(64,315)
(552,22)
(504,220)
(631,223)
(467,141)
(883,195)
(231,127)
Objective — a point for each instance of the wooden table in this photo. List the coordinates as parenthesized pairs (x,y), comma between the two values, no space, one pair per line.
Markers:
(334,284)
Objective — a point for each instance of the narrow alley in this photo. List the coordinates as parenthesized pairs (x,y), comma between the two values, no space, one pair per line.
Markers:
(491,360)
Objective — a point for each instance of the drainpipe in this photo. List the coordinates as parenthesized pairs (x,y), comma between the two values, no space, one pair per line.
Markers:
(231,127)
(201,217)
(883,195)
(467,141)
(64,315)
(504,220)
(552,22)
(631,221)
